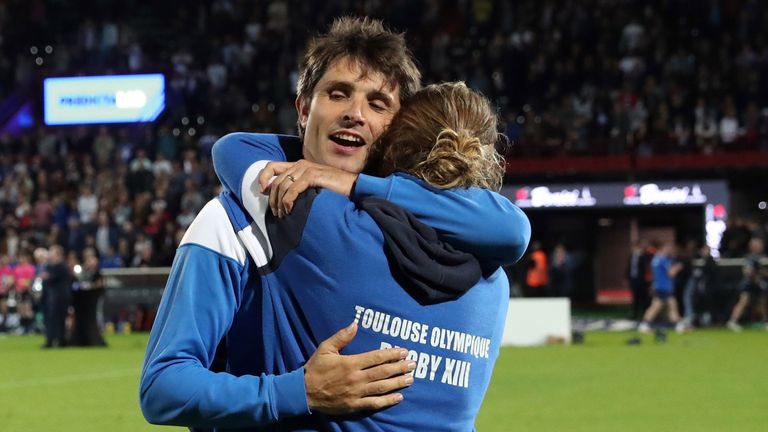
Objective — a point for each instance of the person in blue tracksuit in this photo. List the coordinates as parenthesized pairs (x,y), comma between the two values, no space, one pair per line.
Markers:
(213,295)
(372,66)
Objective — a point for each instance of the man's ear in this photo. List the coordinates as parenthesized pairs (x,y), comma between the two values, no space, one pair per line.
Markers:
(302,109)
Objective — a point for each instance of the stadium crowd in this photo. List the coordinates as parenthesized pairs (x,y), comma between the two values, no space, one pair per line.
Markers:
(569,77)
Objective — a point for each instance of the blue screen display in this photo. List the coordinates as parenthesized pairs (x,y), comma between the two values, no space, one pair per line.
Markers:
(103,99)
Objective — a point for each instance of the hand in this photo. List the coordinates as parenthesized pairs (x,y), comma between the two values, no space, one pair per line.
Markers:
(675,269)
(340,384)
(294,178)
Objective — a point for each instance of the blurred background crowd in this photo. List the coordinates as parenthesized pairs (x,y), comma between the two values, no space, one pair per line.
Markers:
(570,78)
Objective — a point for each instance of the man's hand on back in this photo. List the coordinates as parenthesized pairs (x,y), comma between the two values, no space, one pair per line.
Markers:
(340,384)
(293,178)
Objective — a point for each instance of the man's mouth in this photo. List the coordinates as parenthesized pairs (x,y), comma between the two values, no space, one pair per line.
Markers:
(347,140)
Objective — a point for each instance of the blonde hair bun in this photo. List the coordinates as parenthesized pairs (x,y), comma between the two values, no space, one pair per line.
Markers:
(446,134)
(453,158)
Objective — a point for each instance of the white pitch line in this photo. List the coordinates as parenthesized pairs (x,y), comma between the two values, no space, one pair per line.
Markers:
(67,379)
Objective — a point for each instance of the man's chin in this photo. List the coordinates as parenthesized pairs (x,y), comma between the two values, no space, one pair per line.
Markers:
(352,161)
(353,165)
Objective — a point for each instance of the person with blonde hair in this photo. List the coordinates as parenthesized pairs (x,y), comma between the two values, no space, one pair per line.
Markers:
(447,137)
(373,262)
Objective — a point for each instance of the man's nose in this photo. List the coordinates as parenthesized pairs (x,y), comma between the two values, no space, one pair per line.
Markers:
(354,112)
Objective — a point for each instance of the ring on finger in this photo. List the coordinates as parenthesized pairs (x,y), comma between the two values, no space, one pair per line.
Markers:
(291,178)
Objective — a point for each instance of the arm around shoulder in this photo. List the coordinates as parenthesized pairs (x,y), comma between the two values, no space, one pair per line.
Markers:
(478,221)
(234,153)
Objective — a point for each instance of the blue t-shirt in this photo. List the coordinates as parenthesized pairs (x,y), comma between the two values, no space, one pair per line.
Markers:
(661,279)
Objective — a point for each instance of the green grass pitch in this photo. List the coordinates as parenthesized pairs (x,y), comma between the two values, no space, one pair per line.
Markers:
(702,381)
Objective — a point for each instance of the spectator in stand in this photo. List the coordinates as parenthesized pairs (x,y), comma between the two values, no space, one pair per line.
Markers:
(106,234)
(167,144)
(87,205)
(753,286)
(126,148)
(155,219)
(166,244)
(110,259)
(23,211)
(142,251)
(706,131)
(536,278)
(146,256)
(122,211)
(125,251)
(42,212)
(161,166)
(664,271)
(6,283)
(61,210)
(185,218)
(735,238)
(104,148)
(729,126)
(140,177)
(192,199)
(12,241)
(638,274)
(24,273)
(755,228)
(75,235)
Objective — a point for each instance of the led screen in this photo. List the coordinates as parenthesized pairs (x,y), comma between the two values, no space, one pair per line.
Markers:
(103,99)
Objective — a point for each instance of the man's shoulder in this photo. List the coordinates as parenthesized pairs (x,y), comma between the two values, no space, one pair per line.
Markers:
(212,229)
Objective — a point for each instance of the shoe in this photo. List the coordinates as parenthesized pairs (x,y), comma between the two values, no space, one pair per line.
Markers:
(733,326)
(644,328)
(681,327)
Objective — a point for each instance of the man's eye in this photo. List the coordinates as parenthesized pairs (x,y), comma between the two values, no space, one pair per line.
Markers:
(337,95)
(379,106)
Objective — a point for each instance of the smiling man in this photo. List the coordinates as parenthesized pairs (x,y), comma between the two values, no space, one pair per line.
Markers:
(352,82)
(350,110)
